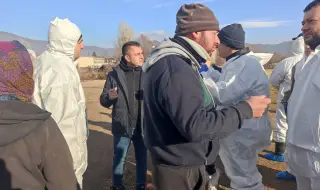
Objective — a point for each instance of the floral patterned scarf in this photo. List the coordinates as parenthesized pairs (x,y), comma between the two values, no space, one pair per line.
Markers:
(16,71)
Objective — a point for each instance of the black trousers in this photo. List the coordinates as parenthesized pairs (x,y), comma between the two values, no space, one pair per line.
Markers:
(179,178)
(280,148)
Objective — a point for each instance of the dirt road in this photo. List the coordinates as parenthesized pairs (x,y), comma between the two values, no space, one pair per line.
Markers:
(98,174)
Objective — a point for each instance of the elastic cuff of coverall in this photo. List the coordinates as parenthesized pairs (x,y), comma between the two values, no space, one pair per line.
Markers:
(280,148)
(244,110)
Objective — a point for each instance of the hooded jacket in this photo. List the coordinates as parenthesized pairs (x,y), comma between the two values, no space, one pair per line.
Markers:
(182,127)
(281,76)
(33,152)
(282,79)
(59,91)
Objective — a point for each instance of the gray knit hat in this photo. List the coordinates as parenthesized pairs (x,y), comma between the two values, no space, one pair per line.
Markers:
(195,17)
(233,36)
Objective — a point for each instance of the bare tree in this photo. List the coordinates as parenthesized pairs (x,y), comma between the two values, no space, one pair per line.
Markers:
(125,34)
(146,44)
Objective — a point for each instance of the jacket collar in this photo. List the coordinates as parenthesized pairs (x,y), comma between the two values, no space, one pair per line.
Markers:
(238,54)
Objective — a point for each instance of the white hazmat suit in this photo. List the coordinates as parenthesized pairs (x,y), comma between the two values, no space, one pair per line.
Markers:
(303,137)
(59,91)
(281,78)
(242,77)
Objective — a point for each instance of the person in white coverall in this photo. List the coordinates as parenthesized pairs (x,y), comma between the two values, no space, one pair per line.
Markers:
(242,76)
(281,79)
(303,137)
(59,91)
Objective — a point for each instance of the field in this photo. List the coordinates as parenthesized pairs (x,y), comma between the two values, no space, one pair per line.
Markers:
(100,146)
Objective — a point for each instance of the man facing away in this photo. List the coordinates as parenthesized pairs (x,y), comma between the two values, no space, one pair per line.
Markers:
(182,127)
(242,76)
(303,139)
(122,90)
(59,91)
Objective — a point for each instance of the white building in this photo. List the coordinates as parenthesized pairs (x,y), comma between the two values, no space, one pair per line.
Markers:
(94,62)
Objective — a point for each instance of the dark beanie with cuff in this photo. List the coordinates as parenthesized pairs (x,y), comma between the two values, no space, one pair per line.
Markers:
(195,17)
(233,36)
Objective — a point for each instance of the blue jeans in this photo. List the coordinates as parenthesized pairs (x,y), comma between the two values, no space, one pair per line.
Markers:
(121,146)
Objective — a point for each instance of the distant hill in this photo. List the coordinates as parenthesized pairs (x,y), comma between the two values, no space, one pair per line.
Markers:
(40,45)
(283,48)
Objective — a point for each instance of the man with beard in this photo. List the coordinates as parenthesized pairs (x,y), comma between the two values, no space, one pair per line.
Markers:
(303,138)
(182,126)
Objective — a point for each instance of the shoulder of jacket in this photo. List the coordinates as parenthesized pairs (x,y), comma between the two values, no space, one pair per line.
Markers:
(172,66)
(247,61)
(113,72)
(51,77)
(45,127)
(175,62)
(289,62)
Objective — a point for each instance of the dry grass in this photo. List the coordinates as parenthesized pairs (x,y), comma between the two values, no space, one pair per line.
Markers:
(92,74)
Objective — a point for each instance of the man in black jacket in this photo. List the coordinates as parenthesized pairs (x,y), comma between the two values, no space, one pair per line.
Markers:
(122,90)
(182,127)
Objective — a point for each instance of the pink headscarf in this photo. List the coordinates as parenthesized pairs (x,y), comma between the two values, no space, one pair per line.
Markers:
(16,71)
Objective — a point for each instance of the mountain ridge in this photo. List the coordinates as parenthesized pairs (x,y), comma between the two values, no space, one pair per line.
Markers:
(39,46)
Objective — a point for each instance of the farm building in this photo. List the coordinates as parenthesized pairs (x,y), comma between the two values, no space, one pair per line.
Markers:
(94,62)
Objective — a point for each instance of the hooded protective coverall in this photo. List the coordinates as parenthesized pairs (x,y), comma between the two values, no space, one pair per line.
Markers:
(59,91)
(281,78)
(242,76)
(303,136)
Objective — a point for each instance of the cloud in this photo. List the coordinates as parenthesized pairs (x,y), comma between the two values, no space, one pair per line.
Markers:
(262,24)
(158,35)
(158,32)
(164,4)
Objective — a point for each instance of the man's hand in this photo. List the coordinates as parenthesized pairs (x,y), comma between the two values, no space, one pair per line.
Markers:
(113,93)
(258,105)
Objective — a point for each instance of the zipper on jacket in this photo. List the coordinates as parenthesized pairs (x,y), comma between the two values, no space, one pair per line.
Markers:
(134,92)
(201,78)
(134,100)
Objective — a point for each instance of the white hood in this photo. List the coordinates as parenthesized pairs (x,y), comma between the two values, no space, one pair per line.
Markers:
(63,36)
(297,47)
(264,58)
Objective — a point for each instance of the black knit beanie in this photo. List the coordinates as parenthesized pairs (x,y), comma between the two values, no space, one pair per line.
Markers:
(233,36)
